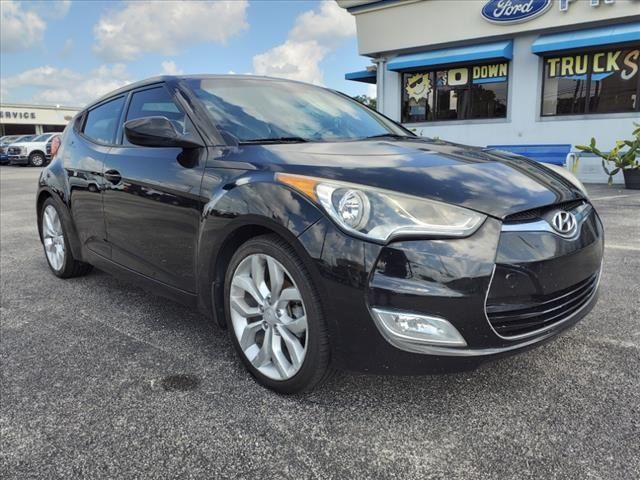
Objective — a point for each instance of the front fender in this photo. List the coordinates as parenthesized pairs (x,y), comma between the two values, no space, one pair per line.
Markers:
(238,211)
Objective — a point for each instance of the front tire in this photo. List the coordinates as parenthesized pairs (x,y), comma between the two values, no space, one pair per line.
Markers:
(275,316)
(56,245)
(36,159)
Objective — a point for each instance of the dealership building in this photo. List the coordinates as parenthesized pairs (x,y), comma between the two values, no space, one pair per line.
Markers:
(536,77)
(21,119)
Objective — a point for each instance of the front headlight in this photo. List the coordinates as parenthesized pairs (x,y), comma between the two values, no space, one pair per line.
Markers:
(568,176)
(382,215)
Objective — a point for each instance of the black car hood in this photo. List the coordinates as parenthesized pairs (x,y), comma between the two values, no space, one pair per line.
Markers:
(489,182)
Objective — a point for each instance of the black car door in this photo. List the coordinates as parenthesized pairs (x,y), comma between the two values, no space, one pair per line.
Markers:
(83,155)
(152,198)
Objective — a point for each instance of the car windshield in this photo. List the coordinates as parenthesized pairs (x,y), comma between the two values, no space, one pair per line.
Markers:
(42,138)
(26,138)
(258,110)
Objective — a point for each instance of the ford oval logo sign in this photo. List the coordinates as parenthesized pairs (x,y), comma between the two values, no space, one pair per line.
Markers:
(514,11)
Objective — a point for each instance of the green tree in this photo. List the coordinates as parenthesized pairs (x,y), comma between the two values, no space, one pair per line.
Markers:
(366,100)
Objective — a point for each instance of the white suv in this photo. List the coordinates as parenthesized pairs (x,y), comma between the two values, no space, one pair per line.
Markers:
(33,152)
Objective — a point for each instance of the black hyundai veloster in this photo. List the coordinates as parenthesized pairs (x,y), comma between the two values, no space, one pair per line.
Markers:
(321,234)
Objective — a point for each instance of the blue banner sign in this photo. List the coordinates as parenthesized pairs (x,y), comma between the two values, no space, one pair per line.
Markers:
(514,11)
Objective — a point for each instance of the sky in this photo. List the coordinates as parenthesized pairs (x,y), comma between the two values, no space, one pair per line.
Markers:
(68,52)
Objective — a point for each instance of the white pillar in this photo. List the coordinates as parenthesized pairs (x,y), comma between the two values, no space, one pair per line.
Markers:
(382,66)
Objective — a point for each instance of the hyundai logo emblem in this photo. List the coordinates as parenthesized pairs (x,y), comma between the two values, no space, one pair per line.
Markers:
(564,222)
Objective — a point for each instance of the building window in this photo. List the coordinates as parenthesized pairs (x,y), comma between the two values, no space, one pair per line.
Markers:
(461,93)
(53,128)
(603,81)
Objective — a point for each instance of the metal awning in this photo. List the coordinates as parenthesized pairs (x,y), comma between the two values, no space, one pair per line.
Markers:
(364,76)
(487,51)
(609,35)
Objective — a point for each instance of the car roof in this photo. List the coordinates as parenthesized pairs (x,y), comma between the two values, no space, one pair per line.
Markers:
(167,78)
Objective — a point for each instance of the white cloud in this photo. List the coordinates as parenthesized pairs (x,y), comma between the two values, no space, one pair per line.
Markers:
(64,86)
(166,27)
(59,9)
(169,67)
(295,60)
(329,26)
(313,35)
(19,28)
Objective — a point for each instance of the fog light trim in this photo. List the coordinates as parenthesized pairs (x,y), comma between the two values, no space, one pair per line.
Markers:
(409,331)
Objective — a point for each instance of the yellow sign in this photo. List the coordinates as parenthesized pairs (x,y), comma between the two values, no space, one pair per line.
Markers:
(456,77)
(418,86)
(490,71)
(625,62)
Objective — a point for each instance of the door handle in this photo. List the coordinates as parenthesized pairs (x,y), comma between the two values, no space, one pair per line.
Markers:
(113,176)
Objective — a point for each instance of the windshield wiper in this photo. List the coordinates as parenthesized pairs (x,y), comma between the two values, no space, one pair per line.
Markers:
(273,140)
(389,135)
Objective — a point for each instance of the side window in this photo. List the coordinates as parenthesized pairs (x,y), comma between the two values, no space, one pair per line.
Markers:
(157,102)
(102,121)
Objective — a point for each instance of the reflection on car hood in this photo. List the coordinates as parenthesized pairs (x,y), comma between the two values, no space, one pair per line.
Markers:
(489,182)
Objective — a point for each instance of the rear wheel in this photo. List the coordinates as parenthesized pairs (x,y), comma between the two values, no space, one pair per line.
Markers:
(275,316)
(56,245)
(36,159)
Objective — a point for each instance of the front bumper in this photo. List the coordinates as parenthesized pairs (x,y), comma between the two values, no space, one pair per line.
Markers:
(453,280)
(23,159)
(18,159)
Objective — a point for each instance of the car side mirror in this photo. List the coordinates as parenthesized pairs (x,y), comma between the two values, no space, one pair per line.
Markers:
(157,132)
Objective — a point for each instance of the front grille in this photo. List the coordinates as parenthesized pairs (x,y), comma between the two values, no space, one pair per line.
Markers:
(3,150)
(511,317)
(14,150)
(537,213)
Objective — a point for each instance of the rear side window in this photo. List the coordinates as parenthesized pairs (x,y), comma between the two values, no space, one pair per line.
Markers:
(157,102)
(102,122)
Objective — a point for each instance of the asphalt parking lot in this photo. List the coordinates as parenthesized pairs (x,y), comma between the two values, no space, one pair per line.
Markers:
(101,379)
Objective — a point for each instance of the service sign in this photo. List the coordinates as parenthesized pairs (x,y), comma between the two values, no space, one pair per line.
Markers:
(15,115)
(514,11)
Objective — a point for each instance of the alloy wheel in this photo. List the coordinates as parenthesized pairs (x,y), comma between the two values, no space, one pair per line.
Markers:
(37,160)
(53,237)
(268,316)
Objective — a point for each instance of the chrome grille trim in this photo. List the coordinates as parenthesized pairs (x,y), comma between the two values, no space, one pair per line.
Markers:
(581,213)
(547,327)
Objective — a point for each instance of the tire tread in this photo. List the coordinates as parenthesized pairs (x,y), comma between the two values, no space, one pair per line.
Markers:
(72,267)
(323,371)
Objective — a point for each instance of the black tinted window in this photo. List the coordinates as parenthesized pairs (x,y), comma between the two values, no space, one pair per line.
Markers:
(102,121)
(157,102)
